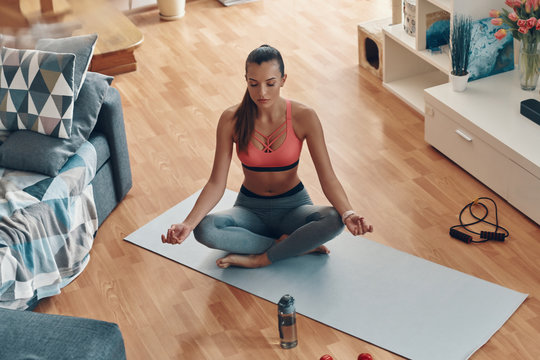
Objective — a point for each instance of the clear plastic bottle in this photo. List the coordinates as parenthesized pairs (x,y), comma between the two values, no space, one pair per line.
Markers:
(287,322)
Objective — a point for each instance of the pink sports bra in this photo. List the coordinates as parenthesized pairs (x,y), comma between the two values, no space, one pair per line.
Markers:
(283,158)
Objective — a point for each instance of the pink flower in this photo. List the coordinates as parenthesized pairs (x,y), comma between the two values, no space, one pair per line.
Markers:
(496,21)
(512,16)
(522,23)
(523,30)
(538,25)
(531,22)
(500,34)
(513,3)
(531,5)
(494,13)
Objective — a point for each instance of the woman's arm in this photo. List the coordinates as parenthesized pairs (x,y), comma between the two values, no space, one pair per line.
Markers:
(214,188)
(311,130)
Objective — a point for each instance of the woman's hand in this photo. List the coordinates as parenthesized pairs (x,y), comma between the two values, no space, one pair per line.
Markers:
(176,234)
(357,225)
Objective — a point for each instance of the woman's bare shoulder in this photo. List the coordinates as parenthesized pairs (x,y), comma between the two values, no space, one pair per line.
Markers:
(228,114)
(304,118)
(227,118)
(302,113)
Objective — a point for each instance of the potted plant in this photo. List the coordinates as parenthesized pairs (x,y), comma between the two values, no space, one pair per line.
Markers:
(460,48)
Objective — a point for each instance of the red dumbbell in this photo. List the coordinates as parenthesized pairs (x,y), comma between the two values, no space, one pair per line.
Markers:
(365,356)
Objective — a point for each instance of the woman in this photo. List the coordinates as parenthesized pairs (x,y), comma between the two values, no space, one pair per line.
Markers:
(273,217)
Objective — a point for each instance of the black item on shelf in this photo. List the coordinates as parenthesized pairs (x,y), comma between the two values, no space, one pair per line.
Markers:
(530,108)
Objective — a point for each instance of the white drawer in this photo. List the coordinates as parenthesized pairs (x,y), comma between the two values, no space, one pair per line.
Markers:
(463,147)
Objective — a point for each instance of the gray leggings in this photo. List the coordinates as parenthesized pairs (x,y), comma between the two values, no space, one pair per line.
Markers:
(254,223)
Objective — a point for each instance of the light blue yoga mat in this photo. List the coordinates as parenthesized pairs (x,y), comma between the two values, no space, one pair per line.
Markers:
(399,302)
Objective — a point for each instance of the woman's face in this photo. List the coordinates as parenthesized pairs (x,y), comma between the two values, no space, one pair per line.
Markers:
(264,82)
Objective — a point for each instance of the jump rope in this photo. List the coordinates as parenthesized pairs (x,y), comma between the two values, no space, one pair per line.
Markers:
(484,235)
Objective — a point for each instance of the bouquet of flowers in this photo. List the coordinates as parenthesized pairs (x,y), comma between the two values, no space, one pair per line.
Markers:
(522,21)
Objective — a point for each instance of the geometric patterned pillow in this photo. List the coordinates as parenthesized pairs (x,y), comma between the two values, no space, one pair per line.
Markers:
(83,48)
(36,91)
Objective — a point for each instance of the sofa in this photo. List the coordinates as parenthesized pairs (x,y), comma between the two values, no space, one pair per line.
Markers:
(64,167)
(26,335)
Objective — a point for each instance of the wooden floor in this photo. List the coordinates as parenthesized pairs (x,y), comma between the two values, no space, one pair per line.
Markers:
(189,71)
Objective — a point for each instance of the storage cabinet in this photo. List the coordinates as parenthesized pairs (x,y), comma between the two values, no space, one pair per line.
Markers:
(483,131)
(460,143)
(480,129)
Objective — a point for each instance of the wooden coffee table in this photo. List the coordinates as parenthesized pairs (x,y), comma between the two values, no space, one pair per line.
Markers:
(118,37)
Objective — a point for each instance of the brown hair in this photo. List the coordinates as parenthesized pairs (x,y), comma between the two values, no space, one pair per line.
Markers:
(247,110)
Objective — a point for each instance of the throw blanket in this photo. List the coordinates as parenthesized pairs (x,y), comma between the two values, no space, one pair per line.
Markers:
(47,227)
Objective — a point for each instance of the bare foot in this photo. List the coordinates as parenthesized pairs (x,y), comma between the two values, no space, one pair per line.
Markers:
(281,238)
(246,261)
(319,250)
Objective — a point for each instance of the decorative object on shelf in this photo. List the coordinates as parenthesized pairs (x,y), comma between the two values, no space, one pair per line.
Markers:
(530,108)
(528,63)
(460,49)
(489,56)
(437,29)
(459,83)
(409,17)
(171,9)
(522,23)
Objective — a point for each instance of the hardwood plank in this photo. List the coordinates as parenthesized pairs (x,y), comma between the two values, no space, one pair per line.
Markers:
(189,71)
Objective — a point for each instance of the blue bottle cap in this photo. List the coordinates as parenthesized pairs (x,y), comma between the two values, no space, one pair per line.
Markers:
(286,304)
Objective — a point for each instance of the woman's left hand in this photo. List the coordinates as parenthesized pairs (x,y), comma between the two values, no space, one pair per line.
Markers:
(357,225)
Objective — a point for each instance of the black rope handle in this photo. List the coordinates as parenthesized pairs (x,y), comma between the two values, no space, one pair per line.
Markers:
(484,235)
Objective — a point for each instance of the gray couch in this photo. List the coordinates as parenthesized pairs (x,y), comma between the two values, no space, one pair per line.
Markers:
(29,335)
(64,167)
(113,178)
(26,335)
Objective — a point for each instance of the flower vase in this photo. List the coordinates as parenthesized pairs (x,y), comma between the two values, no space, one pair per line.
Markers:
(528,64)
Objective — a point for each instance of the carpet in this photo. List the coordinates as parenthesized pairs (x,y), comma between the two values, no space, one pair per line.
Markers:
(402,303)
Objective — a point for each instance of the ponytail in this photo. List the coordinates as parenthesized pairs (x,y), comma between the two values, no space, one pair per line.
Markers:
(245,118)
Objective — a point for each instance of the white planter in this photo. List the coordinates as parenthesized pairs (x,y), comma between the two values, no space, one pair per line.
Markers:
(459,83)
(171,9)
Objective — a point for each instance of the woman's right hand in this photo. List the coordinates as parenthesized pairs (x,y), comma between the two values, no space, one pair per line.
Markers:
(176,234)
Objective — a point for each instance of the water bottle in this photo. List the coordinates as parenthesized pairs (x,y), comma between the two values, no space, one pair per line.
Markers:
(287,322)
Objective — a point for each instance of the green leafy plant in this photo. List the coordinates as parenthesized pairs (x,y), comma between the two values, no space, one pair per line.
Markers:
(460,44)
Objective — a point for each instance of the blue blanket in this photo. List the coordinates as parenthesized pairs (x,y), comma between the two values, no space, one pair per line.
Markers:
(47,227)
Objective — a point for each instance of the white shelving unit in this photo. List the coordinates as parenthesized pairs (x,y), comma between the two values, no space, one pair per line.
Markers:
(408,68)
